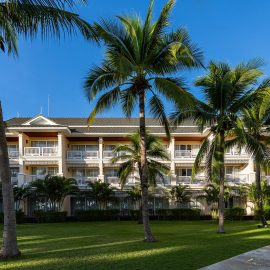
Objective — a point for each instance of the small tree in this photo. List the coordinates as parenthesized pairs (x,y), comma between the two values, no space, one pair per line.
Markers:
(181,194)
(21,193)
(101,192)
(54,189)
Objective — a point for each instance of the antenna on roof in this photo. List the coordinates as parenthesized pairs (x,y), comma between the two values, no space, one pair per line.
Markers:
(18,115)
(48,105)
(41,110)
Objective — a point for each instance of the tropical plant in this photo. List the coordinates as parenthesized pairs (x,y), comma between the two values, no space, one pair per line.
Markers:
(21,193)
(135,194)
(242,192)
(138,56)
(255,120)
(54,189)
(27,18)
(181,194)
(129,156)
(253,195)
(226,91)
(101,192)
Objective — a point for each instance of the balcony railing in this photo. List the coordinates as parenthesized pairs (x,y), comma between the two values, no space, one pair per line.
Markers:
(187,180)
(13,154)
(83,181)
(110,154)
(235,152)
(82,155)
(40,151)
(185,154)
(237,179)
(112,179)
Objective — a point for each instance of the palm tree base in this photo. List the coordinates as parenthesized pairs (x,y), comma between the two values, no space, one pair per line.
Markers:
(263,226)
(151,240)
(6,257)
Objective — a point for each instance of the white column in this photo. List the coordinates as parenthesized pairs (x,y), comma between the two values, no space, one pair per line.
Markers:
(100,155)
(60,154)
(21,152)
(172,150)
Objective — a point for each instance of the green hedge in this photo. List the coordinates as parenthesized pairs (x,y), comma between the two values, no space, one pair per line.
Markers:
(50,216)
(19,217)
(235,213)
(179,214)
(97,215)
(266,212)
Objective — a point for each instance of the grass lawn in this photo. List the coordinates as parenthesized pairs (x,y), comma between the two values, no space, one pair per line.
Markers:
(118,245)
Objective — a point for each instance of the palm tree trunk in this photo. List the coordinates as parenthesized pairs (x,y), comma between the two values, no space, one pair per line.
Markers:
(9,248)
(221,204)
(148,236)
(260,195)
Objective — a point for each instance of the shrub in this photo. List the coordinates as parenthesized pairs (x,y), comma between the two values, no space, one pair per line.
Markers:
(235,213)
(50,216)
(97,215)
(19,217)
(266,211)
(179,214)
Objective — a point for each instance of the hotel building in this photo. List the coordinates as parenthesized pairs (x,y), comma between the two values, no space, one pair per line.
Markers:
(67,146)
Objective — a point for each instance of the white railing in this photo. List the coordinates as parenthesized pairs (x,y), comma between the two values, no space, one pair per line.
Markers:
(82,154)
(236,152)
(183,154)
(83,181)
(40,151)
(13,154)
(112,179)
(237,178)
(187,180)
(108,154)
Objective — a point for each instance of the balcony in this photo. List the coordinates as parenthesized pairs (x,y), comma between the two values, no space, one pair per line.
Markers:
(187,180)
(40,151)
(82,182)
(110,154)
(183,154)
(80,155)
(114,180)
(237,179)
(165,181)
(13,154)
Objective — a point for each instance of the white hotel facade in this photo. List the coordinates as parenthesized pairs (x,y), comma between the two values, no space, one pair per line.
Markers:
(67,146)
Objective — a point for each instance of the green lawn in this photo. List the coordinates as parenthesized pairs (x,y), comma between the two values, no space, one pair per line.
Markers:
(119,245)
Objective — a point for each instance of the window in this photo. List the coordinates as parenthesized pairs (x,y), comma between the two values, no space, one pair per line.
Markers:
(232,170)
(184,172)
(84,172)
(183,147)
(44,170)
(109,147)
(111,172)
(44,143)
(14,171)
(12,147)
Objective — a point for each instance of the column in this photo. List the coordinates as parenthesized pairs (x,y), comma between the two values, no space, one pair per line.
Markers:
(172,150)
(100,155)
(60,154)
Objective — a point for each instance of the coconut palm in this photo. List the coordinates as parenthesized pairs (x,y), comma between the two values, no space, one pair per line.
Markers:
(27,18)
(226,91)
(256,120)
(138,56)
(54,189)
(181,194)
(129,156)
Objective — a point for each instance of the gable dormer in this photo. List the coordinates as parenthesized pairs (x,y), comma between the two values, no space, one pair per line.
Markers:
(40,120)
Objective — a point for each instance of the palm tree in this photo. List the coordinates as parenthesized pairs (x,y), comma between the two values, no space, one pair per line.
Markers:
(227,91)
(20,193)
(138,56)
(255,120)
(101,192)
(129,156)
(54,189)
(181,194)
(27,18)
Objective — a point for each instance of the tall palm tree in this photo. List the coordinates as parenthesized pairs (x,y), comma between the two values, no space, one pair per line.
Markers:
(226,91)
(129,156)
(27,18)
(256,120)
(138,56)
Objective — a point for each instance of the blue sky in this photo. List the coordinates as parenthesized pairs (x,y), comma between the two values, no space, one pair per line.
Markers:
(226,30)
